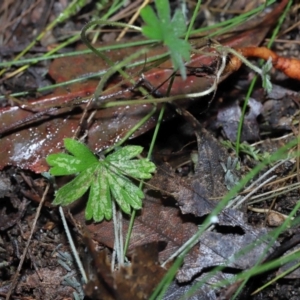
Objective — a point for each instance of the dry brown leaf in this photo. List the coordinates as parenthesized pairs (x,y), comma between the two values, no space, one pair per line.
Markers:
(135,281)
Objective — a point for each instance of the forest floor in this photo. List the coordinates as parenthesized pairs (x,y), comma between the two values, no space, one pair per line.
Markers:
(244,178)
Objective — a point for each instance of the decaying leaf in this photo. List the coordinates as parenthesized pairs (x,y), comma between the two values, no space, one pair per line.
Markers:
(209,177)
(194,197)
(180,291)
(278,114)
(135,281)
(219,249)
(229,118)
(28,147)
(208,183)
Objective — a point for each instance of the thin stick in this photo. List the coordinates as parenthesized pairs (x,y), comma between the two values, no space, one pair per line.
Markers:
(73,248)
(116,240)
(239,203)
(132,20)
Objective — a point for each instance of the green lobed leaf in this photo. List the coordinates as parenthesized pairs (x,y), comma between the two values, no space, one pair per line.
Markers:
(75,188)
(104,178)
(80,151)
(124,153)
(64,164)
(105,195)
(134,202)
(178,63)
(117,194)
(134,195)
(151,34)
(169,32)
(150,18)
(99,204)
(178,23)
(163,11)
(185,49)
(127,184)
(137,168)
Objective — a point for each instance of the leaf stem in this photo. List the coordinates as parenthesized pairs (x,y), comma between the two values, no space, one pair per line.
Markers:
(72,245)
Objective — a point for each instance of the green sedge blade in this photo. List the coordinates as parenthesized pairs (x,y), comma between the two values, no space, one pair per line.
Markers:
(73,8)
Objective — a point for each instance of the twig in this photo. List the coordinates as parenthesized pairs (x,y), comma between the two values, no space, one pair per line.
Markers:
(240,201)
(73,248)
(132,20)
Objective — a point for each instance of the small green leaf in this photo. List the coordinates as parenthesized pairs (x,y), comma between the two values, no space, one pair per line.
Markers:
(124,153)
(99,203)
(266,81)
(150,18)
(104,178)
(168,31)
(120,184)
(75,188)
(137,168)
(163,11)
(64,164)
(178,22)
(80,151)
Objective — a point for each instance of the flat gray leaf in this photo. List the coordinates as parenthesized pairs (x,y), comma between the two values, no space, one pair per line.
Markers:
(218,249)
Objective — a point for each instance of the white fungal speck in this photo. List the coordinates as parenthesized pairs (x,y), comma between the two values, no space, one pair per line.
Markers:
(214,220)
